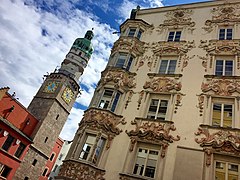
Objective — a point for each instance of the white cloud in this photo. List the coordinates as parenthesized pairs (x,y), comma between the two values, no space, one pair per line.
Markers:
(26,55)
(154,3)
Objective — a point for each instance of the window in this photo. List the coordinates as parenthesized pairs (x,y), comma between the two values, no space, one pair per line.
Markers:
(167,66)
(52,156)
(20,150)
(174,36)
(60,156)
(224,68)
(225,34)
(222,114)
(88,148)
(26,178)
(131,32)
(226,171)
(45,139)
(34,162)
(7,144)
(4,170)
(124,61)
(139,35)
(55,168)
(109,100)
(157,109)
(45,172)
(146,162)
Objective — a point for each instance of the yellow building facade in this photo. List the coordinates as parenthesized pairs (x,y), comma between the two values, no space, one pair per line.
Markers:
(167,106)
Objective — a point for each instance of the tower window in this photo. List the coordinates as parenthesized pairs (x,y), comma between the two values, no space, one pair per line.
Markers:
(52,156)
(46,139)
(45,172)
(34,162)
(26,178)
(7,144)
(57,117)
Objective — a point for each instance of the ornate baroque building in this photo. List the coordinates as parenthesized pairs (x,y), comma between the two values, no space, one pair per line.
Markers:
(168,103)
(51,106)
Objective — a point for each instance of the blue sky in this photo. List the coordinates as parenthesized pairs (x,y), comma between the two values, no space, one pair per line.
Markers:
(36,36)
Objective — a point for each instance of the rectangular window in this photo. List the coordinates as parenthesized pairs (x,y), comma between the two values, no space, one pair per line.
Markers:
(157,109)
(55,168)
(174,36)
(88,148)
(7,144)
(224,67)
(225,34)
(146,162)
(4,170)
(167,66)
(45,172)
(52,156)
(226,171)
(139,33)
(124,61)
(222,114)
(109,100)
(20,150)
(131,32)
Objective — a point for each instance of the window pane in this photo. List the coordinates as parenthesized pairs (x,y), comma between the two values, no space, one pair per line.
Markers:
(153,109)
(98,150)
(163,66)
(129,63)
(221,34)
(227,116)
(171,67)
(87,147)
(162,110)
(8,142)
(220,171)
(229,34)
(20,150)
(121,60)
(216,118)
(139,34)
(177,36)
(228,68)
(171,35)
(114,104)
(219,67)
(131,32)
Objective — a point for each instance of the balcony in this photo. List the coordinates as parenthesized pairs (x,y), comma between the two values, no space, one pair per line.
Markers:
(218,140)
(118,77)
(80,170)
(221,85)
(129,44)
(154,132)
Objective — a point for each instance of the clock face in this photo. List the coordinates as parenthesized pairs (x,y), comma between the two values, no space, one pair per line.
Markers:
(67,95)
(51,87)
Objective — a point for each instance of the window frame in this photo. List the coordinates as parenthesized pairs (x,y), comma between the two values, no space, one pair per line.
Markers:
(227,162)
(225,33)
(113,100)
(146,160)
(128,61)
(137,32)
(224,67)
(21,148)
(167,66)
(173,37)
(223,101)
(8,143)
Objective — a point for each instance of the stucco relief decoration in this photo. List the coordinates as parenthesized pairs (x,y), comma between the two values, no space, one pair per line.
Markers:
(128,44)
(176,48)
(129,98)
(200,103)
(204,61)
(221,47)
(141,94)
(223,15)
(179,18)
(218,141)
(163,84)
(80,171)
(152,132)
(185,60)
(223,87)
(103,120)
(119,77)
(178,102)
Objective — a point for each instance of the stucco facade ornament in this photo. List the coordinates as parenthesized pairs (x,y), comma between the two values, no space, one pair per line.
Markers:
(184,60)
(104,120)
(128,44)
(141,94)
(175,48)
(119,77)
(178,102)
(223,87)
(200,103)
(215,140)
(226,47)
(163,84)
(204,61)
(228,14)
(129,98)
(178,18)
(79,170)
(152,132)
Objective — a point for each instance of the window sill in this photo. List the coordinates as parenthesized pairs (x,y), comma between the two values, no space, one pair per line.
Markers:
(10,155)
(134,177)
(221,77)
(164,75)
(154,120)
(218,127)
